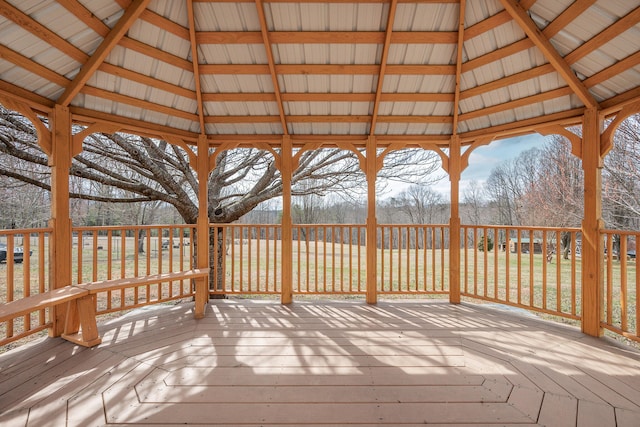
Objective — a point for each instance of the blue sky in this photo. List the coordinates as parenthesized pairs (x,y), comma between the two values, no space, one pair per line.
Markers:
(483,159)
(481,162)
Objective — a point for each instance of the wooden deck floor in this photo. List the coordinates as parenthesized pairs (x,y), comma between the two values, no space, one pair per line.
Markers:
(324,363)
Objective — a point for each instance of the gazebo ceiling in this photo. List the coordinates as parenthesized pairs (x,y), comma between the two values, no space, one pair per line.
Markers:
(256,70)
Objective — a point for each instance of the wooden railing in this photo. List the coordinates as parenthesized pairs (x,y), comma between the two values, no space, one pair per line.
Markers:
(24,262)
(621,283)
(533,268)
(413,259)
(105,253)
(329,259)
(246,259)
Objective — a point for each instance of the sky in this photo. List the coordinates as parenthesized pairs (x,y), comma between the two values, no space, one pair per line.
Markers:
(483,159)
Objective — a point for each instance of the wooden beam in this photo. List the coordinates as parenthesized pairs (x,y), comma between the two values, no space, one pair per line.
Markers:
(507,81)
(32,66)
(455,171)
(202,240)
(60,246)
(326,37)
(127,124)
(40,31)
(328,1)
(159,21)
(324,69)
(560,64)
(565,18)
(147,80)
(136,102)
(264,29)
(569,117)
(196,65)
(383,65)
(614,70)
(158,54)
(132,13)
(460,48)
(497,54)
(592,244)
(371,222)
(620,26)
(286,174)
(37,102)
(517,103)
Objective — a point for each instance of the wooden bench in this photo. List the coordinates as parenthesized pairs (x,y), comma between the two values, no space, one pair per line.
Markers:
(80,323)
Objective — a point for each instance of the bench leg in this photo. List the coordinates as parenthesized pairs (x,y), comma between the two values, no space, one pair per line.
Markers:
(80,326)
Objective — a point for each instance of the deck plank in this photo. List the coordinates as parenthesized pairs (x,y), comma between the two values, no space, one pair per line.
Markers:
(558,411)
(322,364)
(592,414)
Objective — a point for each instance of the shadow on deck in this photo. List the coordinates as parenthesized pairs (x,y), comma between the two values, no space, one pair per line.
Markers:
(324,363)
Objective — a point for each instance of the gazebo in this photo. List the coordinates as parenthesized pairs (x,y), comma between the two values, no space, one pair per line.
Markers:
(368,76)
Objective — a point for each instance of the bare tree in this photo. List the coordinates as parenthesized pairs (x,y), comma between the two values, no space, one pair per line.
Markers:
(621,177)
(474,203)
(142,169)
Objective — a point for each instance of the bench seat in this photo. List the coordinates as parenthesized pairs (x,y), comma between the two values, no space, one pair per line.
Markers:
(32,303)
(80,323)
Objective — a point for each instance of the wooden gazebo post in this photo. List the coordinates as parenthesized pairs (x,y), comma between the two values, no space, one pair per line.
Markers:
(60,244)
(286,172)
(592,224)
(372,222)
(455,168)
(202,285)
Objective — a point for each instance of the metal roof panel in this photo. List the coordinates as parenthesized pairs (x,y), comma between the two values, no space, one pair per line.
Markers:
(426,17)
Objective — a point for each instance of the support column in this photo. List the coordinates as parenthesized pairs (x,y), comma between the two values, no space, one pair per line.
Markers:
(372,222)
(60,244)
(286,171)
(202,227)
(455,169)
(592,224)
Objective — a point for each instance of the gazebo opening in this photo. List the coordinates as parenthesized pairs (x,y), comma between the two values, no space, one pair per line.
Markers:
(283,284)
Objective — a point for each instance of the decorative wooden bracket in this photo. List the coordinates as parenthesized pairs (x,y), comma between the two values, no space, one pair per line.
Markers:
(362,160)
(180,143)
(575,140)
(222,147)
(79,137)
(486,140)
(606,139)
(44,134)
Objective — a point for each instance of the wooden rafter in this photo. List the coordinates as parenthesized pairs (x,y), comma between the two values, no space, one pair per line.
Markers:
(383,65)
(344,69)
(159,21)
(569,15)
(38,30)
(272,66)
(517,103)
(617,68)
(334,37)
(329,119)
(148,105)
(196,65)
(559,63)
(460,49)
(507,81)
(497,55)
(608,34)
(109,42)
